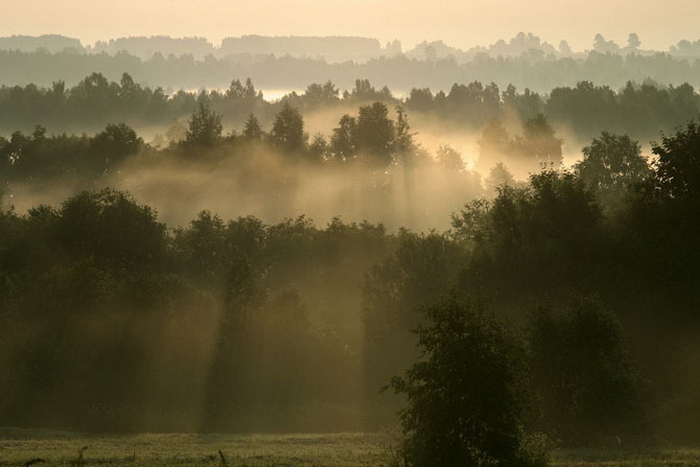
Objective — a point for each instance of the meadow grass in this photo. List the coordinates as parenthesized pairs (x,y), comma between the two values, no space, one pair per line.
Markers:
(19,446)
(642,457)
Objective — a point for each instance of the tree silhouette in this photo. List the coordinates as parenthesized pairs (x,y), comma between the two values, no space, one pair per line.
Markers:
(375,134)
(449,158)
(678,164)
(539,144)
(252,130)
(318,149)
(404,147)
(466,395)
(111,227)
(633,42)
(589,388)
(113,144)
(603,46)
(288,130)
(343,140)
(204,127)
(321,94)
(237,91)
(611,165)
(495,144)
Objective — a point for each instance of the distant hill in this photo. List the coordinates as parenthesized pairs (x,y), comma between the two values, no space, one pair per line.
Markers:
(51,42)
(145,47)
(336,49)
(292,62)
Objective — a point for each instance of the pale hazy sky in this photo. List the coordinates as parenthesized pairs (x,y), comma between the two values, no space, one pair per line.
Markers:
(659,23)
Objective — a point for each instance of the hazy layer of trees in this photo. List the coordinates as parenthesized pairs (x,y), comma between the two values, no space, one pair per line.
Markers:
(333,48)
(293,62)
(582,111)
(52,43)
(146,47)
(111,320)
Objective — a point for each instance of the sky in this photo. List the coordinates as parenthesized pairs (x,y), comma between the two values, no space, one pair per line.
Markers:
(460,23)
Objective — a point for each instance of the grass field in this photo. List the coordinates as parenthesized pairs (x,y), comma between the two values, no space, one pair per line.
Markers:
(17,447)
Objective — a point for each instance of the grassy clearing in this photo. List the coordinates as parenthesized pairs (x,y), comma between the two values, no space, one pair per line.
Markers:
(17,447)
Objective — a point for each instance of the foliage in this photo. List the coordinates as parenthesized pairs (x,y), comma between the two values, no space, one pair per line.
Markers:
(538,142)
(204,128)
(499,176)
(344,140)
(556,208)
(450,158)
(537,149)
(466,395)
(403,145)
(112,145)
(637,110)
(678,165)
(288,130)
(252,130)
(110,226)
(612,165)
(238,91)
(590,390)
(419,273)
(375,134)
(374,138)
(321,94)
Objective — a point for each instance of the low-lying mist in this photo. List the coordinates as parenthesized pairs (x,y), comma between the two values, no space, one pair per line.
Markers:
(268,186)
(273,186)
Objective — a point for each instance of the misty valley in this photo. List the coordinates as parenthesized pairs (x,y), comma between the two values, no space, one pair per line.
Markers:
(475,275)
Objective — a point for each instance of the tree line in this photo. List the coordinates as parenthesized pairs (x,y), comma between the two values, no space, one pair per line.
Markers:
(373,136)
(586,109)
(332,48)
(533,69)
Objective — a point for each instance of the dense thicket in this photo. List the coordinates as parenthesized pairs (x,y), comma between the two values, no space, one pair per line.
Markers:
(110,321)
